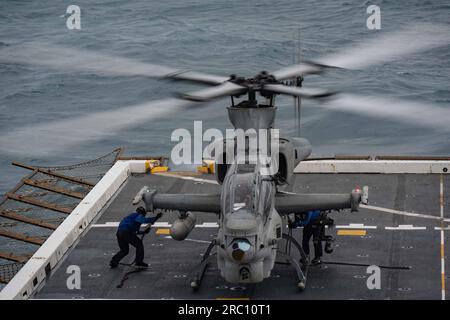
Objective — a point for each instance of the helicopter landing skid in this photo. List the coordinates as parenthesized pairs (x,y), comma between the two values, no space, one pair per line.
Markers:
(199,271)
(301,266)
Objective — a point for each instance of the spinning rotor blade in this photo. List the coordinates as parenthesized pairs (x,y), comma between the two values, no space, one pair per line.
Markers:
(47,138)
(86,61)
(414,39)
(298,91)
(430,116)
(221,90)
(199,77)
(296,70)
(387,47)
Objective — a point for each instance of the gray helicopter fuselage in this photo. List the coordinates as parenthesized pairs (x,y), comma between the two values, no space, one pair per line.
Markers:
(249,225)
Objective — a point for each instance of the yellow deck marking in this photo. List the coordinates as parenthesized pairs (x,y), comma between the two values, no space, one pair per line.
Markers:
(164,231)
(343,232)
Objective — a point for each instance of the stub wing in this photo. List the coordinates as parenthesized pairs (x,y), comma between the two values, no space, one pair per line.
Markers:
(178,202)
(287,203)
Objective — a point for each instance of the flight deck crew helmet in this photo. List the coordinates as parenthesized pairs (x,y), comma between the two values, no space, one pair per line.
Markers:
(141,210)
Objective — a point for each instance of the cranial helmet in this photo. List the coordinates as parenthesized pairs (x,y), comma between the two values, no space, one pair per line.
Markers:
(141,210)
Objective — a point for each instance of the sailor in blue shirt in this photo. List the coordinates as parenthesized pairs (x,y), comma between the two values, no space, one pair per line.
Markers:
(310,229)
(127,233)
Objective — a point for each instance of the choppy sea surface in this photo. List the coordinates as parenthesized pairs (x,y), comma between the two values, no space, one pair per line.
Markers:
(219,37)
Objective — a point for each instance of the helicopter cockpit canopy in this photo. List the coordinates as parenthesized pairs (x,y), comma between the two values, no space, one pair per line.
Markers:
(242,195)
(248,194)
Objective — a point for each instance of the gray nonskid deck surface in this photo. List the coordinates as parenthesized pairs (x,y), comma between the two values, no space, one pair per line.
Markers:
(171,261)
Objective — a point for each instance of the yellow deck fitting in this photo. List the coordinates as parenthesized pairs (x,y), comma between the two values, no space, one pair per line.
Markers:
(159,169)
(154,166)
(210,165)
(202,169)
(206,167)
(151,164)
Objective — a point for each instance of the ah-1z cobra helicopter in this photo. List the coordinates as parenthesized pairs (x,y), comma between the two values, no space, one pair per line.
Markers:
(250,206)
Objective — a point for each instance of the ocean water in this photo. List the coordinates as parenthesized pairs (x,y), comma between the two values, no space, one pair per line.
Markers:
(219,37)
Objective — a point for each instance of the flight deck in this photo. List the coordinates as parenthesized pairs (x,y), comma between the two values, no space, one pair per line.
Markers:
(403,230)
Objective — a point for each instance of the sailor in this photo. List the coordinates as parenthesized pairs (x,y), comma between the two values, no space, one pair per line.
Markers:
(308,220)
(127,233)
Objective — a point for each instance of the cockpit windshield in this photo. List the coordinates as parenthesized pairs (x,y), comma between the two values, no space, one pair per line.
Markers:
(243,193)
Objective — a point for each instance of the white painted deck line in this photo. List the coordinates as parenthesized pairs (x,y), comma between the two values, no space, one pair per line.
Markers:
(191,240)
(343,226)
(156,225)
(405,227)
(200,180)
(439,228)
(373,166)
(355,226)
(403,213)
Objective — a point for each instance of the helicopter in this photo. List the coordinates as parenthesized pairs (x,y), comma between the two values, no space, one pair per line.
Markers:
(250,205)
(253,209)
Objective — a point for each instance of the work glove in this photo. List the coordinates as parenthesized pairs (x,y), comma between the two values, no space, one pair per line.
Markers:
(147,231)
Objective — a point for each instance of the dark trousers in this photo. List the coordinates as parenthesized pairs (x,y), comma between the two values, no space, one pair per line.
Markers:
(124,239)
(313,231)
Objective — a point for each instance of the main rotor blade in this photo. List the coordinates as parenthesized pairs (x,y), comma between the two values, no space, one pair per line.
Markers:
(80,60)
(224,89)
(413,39)
(198,77)
(50,137)
(296,70)
(298,91)
(424,115)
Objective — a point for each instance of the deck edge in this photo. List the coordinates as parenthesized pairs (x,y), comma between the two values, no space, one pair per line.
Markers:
(44,260)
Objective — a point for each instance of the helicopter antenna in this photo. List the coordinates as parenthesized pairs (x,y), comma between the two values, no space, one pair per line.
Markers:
(297,58)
